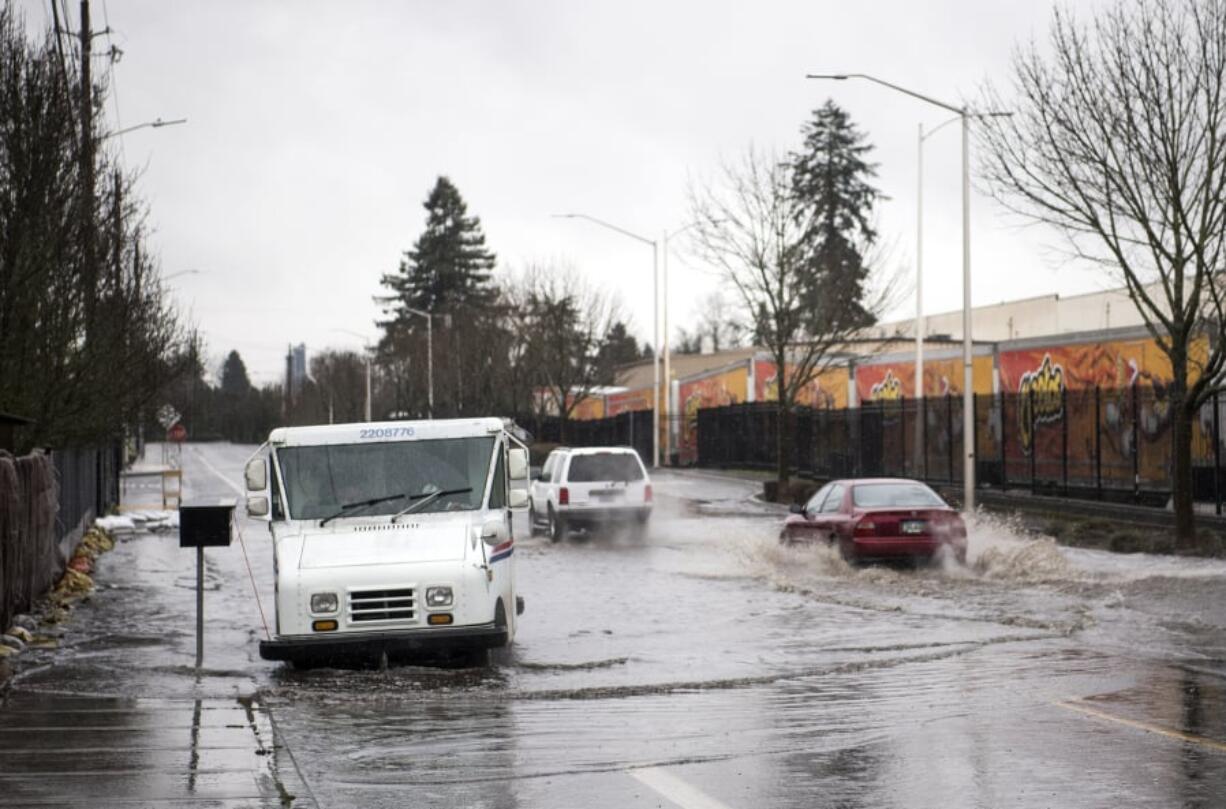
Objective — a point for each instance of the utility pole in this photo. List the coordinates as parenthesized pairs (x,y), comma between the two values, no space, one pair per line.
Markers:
(117,252)
(430,364)
(288,399)
(87,171)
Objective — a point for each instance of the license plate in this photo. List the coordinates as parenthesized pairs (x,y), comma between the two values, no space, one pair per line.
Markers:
(607,494)
(913,526)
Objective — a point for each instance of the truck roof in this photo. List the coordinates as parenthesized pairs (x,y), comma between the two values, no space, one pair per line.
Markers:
(379,431)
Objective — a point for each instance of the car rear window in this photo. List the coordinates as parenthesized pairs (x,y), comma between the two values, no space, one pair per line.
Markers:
(894,495)
(605,466)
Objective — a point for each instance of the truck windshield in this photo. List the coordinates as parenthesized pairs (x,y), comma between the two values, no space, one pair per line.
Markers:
(381,478)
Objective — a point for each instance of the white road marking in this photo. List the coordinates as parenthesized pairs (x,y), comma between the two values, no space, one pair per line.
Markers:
(233,486)
(676,790)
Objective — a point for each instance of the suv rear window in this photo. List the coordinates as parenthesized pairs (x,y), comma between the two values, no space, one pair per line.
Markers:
(604,466)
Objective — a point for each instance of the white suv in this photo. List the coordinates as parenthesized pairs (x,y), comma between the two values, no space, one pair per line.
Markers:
(589,486)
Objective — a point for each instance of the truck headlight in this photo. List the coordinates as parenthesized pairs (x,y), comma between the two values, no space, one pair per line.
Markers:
(439,597)
(324,602)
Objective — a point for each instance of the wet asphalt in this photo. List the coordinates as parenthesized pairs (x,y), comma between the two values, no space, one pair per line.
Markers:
(705,666)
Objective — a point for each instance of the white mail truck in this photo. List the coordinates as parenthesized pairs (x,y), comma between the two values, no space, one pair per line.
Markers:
(390,538)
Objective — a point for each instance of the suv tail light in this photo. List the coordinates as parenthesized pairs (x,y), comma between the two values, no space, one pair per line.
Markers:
(563,496)
(647,493)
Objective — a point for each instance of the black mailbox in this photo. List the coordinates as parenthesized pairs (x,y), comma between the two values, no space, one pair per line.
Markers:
(205,523)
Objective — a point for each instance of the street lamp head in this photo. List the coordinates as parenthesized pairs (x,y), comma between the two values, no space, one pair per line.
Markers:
(831,76)
(157,123)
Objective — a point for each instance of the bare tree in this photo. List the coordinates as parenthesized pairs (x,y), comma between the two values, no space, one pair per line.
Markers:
(568,324)
(718,325)
(340,381)
(750,227)
(88,336)
(1119,141)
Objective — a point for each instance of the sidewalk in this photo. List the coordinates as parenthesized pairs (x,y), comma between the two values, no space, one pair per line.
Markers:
(118,715)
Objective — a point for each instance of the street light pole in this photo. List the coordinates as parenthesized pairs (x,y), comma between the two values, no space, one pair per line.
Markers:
(368,386)
(655,347)
(668,357)
(968,375)
(920,392)
(668,377)
(919,273)
(429,359)
(370,350)
(968,393)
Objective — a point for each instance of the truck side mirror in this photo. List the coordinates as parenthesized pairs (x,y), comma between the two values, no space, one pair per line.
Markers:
(491,533)
(255,475)
(257,506)
(518,499)
(517,464)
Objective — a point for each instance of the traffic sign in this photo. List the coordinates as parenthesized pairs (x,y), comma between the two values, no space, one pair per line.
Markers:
(177,433)
(167,416)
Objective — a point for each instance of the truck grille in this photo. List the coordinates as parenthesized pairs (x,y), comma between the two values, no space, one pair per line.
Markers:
(381,605)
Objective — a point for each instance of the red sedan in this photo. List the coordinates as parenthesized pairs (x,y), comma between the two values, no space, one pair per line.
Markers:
(878,519)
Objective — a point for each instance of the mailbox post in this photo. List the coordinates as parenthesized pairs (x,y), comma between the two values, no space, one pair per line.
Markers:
(204,524)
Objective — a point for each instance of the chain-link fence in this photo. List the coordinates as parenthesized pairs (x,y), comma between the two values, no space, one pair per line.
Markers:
(1102,443)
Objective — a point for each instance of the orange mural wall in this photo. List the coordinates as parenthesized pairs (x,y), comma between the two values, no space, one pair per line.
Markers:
(827,390)
(724,388)
(1107,364)
(889,381)
(590,408)
(1055,384)
(630,401)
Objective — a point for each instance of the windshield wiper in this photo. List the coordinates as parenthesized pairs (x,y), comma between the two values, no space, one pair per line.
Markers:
(427,497)
(359,504)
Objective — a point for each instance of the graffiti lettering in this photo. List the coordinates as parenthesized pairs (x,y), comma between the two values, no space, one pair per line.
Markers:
(1042,390)
(888,389)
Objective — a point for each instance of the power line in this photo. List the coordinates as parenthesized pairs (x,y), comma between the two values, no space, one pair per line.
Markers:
(114,53)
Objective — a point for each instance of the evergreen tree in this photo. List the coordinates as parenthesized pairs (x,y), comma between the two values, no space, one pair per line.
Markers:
(449,266)
(618,348)
(234,380)
(835,201)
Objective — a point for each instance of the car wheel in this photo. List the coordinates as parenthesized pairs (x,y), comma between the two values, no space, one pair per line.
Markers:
(845,552)
(557,526)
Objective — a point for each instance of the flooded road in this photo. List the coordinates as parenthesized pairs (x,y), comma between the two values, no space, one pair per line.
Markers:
(705,666)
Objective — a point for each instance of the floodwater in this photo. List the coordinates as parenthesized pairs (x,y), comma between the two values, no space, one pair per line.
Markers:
(704,666)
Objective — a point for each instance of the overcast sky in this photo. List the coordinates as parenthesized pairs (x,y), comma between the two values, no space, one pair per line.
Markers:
(316,129)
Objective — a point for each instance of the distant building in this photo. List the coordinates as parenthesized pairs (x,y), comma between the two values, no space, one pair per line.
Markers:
(295,376)
(297,366)
(1042,316)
